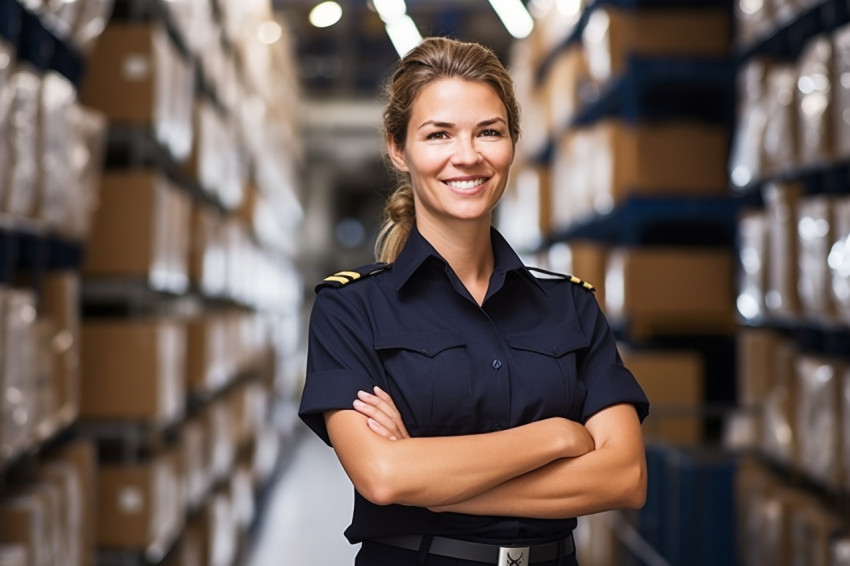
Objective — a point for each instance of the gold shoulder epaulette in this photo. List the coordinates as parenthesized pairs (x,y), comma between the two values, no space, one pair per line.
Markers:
(571,278)
(341,278)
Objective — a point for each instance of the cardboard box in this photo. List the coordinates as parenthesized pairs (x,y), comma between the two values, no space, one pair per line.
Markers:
(133,370)
(780,137)
(614,35)
(215,528)
(23,521)
(678,158)
(839,259)
(136,77)
(195,461)
(589,260)
(14,555)
(815,100)
(779,435)
(813,528)
(815,231)
(841,95)
(674,383)
(688,287)
(18,399)
(206,355)
(207,256)
(818,422)
(756,354)
(139,506)
(141,231)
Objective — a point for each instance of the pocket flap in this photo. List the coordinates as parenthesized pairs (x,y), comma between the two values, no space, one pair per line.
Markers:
(554,341)
(426,343)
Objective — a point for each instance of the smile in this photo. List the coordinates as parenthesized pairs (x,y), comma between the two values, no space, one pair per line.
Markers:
(466,185)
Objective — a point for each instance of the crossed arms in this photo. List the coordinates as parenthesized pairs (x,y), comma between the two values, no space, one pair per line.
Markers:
(553,468)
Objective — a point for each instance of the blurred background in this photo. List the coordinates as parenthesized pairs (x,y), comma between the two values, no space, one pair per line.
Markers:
(177,175)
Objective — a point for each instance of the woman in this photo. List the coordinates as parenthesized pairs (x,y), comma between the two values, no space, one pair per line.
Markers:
(477,408)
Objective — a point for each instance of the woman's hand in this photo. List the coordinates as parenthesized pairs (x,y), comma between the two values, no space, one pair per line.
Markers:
(384,417)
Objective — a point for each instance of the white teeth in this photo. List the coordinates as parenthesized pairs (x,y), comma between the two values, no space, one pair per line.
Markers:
(466,185)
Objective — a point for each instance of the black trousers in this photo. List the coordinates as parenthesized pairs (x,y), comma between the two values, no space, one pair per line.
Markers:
(377,554)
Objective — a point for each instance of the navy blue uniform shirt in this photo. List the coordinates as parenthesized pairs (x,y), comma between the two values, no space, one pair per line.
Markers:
(536,348)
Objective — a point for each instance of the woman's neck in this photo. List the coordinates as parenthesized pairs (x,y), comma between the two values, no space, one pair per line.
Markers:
(468,249)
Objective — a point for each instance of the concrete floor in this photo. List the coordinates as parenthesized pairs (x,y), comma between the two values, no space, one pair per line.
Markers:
(309,508)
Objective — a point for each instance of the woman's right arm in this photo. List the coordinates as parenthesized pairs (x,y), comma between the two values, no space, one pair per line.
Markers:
(436,471)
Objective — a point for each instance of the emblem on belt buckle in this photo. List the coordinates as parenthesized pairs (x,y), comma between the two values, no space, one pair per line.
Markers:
(513,556)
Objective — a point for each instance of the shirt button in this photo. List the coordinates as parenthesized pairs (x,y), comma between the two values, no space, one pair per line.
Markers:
(555,350)
(497,428)
(497,364)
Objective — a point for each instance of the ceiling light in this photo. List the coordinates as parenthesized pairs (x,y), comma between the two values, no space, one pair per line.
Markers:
(514,16)
(390,10)
(269,32)
(325,14)
(403,35)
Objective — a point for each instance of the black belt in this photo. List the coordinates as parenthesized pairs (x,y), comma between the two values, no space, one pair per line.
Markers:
(479,552)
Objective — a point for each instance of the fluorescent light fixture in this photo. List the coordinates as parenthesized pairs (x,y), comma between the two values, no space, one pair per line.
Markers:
(390,10)
(403,34)
(269,32)
(326,14)
(514,16)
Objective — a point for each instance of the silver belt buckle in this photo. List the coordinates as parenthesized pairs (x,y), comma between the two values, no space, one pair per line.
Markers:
(514,556)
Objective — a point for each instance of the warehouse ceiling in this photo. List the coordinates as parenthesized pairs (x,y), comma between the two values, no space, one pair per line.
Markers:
(352,57)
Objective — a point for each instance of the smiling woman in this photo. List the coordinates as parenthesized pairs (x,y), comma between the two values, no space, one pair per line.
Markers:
(476,408)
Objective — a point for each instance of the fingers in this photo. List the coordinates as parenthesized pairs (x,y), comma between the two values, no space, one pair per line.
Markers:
(381,408)
(378,428)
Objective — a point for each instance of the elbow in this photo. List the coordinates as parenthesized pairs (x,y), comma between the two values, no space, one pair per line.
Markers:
(377,485)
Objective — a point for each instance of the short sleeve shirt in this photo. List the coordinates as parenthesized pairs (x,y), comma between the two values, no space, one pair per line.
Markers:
(535,348)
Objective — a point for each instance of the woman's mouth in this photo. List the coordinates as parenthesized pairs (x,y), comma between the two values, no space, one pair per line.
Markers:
(467,184)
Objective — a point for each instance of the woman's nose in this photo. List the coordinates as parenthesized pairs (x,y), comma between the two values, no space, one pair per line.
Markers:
(466,152)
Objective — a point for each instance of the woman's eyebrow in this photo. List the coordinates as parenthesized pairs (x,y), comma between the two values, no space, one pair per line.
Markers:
(439,124)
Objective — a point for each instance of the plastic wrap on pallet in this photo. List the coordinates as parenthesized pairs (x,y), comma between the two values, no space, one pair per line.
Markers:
(779,435)
(752,269)
(841,551)
(174,84)
(195,23)
(58,96)
(780,132)
(60,16)
(85,153)
(24,520)
(781,203)
(13,555)
(7,102)
(844,411)
(815,230)
(818,423)
(22,135)
(18,334)
(754,20)
(746,159)
(812,530)
(841,92)
(92,17)
(839,258)
(815,100)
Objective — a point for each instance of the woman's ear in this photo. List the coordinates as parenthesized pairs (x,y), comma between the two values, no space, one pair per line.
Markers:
(396,154)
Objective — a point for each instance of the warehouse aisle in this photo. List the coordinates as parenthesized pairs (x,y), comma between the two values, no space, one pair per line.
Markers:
(309,509)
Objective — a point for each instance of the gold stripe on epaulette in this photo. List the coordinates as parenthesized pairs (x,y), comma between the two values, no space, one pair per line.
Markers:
(349,274)
(336,279)
(585,284)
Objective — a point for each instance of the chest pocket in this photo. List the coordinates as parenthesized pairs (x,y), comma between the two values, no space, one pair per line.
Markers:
(429,380)
(549,359)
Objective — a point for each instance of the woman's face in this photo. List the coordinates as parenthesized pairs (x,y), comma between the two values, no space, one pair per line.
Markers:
(458,151)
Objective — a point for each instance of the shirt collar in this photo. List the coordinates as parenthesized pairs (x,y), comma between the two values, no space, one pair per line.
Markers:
(417,250)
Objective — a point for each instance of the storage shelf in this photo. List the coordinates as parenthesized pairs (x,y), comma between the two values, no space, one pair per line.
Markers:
(830,178)
(27,245)
(36,44)
(659,89)
(709,221)
(577,31)
(787,40)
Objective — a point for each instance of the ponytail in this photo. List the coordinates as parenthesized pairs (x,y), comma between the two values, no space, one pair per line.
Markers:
(399,216)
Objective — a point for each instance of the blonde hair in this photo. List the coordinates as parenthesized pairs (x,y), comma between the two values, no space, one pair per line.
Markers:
(433,59)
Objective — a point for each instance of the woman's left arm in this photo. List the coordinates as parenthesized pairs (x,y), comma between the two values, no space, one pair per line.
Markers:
(612,476)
